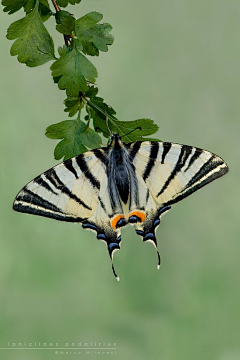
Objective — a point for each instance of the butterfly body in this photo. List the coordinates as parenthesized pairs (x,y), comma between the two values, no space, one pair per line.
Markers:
(107,188)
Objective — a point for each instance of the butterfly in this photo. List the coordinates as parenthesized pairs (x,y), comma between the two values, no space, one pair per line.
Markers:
(107,188)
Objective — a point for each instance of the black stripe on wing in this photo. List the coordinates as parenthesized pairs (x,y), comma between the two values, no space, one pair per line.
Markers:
(152,158)
(41,182)
(54,179)
(203,177)
(193,158)
(29,198)
(28,202)
(101,155)
(69,165)
(102,204)
(133,149)
(87,172)
(210,165)
(166,148)
(184,154)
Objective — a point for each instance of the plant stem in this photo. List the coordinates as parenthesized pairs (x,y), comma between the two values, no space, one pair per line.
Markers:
(57,8)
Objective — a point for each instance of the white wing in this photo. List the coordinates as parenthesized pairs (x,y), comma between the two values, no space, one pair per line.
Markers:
(174,171)
(68,191)
(167,173)
(76,191)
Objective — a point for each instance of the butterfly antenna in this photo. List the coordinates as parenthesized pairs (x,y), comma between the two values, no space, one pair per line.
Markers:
(137,128)
(107,122)
(114,273)
(98,128)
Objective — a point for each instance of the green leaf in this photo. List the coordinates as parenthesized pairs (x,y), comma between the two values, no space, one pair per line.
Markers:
(73,105)
(76,135)
(73,68)
(29,6)
(90,138)
(96,110)
(11,6)
(93,37)
(124,127)
(61,15)
(66,25)
(88,20)
(34,46)
(64,3)
(92,92)
(63,50)
(44,10)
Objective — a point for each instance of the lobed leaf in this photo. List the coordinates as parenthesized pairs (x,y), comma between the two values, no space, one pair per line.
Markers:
(73,68)
(77,138)
(34,46)
(93,37)
(11,6)
(147,127)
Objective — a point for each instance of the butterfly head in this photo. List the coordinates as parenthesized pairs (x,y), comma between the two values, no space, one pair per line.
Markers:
(115,140)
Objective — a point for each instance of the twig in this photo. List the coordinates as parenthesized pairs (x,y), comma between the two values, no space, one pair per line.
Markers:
(57,8)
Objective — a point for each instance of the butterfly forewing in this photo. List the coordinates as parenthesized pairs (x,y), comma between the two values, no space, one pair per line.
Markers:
(68,191)
(173,171)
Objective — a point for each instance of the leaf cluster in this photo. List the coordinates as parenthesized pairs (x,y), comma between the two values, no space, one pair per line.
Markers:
(78,137)
(72,71)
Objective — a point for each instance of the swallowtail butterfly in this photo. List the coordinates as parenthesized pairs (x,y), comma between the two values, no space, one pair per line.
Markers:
(107,188)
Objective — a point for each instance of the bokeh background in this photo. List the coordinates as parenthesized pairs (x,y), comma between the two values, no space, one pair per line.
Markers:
(178,63)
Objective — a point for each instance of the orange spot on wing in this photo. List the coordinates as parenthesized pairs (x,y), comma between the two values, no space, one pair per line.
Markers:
(115,220)
(139,214)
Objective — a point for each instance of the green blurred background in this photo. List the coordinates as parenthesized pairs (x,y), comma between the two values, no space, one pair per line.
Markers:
(177,62)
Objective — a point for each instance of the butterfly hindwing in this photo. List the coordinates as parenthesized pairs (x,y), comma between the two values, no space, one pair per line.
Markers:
(104,221)
(145,216)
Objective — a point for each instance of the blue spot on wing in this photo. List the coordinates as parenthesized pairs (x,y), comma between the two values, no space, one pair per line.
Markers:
(149,236)
(121,222)
(133,219)
(101,236)
(113,246)
(163,209)
(89,226)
